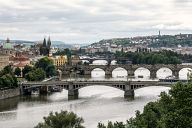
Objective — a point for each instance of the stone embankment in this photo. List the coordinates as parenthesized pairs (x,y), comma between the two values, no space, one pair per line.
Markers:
(4,94)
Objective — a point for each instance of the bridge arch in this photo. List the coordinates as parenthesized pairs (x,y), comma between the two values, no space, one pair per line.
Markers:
(119,72)
(120,87)
(184,73)
(113,62)
(142,72)
(164,72)
(98,72)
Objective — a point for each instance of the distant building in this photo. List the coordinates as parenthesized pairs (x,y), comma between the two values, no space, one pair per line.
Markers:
(75,60)
(59,60)
(4,61)
(19,60)
(45,47)
(7,48)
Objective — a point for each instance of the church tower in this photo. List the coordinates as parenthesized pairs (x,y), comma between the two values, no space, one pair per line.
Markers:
(44,43)
(49,43)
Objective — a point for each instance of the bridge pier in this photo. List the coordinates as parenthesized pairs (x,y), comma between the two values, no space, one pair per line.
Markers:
(129,94)
(73,94)
(44,89)
(176,74)
(153,74)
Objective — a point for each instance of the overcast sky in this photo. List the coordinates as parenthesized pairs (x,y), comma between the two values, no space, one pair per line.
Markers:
(87,21)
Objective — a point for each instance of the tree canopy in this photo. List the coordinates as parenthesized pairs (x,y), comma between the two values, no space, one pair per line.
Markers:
(143,57)
(63,119)
(172,110)
(7,78)
(47,65)
(37,74)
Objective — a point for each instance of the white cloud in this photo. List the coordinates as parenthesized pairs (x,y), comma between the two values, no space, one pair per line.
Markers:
(80,21)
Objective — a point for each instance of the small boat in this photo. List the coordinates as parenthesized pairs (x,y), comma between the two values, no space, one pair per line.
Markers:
(56,89)
(35,92)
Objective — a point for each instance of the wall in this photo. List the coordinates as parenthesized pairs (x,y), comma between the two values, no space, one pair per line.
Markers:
(9,93)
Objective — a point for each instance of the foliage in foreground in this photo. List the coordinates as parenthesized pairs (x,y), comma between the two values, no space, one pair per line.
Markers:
(173,110)
(63,119)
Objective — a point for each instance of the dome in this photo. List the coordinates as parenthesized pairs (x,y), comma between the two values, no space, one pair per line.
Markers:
(7,45)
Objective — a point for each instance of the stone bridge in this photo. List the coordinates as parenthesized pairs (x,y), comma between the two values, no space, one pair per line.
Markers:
(73,86)
(130,68)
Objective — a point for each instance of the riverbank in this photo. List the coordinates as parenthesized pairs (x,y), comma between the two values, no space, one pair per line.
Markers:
(4,94)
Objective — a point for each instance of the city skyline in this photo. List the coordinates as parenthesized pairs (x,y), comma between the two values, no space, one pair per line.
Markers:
(83,21)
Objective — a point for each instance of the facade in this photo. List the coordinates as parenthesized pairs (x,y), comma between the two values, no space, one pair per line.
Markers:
(75,60)
(4,61)
(19,60)
(59,60)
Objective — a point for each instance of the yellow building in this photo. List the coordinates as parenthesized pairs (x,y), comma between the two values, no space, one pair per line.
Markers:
(59,60)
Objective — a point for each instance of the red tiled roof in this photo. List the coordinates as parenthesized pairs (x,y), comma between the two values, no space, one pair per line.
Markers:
(20,64)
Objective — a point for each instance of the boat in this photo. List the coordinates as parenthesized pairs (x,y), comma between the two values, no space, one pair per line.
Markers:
(35,92)
(56,89)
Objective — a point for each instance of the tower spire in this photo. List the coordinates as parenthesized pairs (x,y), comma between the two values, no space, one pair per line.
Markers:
(8,40)
(49,42)
(44,42)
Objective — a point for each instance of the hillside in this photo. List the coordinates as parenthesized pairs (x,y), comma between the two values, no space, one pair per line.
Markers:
(170,41)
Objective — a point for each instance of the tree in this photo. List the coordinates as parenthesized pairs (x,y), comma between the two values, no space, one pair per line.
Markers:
(8,69)
(44,63)
(172,110)
(36,75)
(17,71)
(50,70)
(47,65)
(27,69)
(63,119)
(112,125)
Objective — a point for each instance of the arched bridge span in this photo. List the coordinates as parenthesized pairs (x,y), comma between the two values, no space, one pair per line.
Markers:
(73,86)
(130,68)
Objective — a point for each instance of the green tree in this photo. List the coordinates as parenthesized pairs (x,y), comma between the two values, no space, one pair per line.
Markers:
(27,69)
(50,70)
(172,110)
(36,75)
(63,119)
(17,71)
(47,65)
(8,69)
(44,63)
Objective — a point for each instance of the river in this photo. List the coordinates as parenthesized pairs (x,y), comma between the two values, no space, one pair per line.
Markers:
(95,103)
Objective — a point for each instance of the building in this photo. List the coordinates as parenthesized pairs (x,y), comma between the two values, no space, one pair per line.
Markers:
(59,60)
(4,61)
(7,48)
(75,60)
(19,60)
(45,47)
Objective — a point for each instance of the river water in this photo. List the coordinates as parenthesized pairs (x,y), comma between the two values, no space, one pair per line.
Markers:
(95,103)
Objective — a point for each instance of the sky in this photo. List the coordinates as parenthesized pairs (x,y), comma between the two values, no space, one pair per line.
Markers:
(88,21)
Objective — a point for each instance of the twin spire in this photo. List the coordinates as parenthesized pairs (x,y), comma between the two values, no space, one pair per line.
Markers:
(48,43)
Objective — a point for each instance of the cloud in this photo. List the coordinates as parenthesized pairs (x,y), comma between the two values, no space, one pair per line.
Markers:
(80,21)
